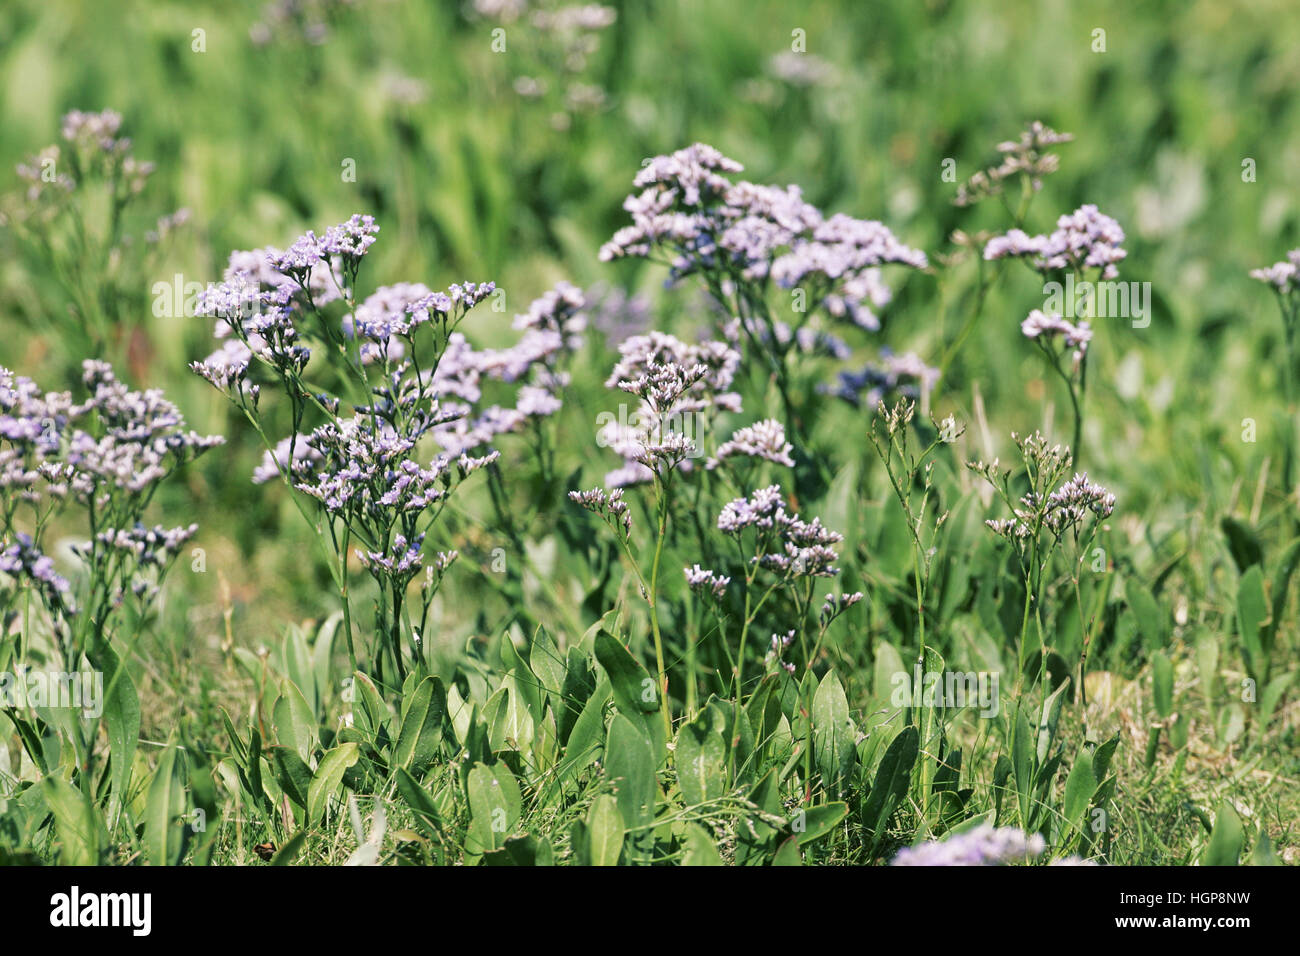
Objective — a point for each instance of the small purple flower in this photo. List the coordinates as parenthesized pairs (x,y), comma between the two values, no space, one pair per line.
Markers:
(982,846)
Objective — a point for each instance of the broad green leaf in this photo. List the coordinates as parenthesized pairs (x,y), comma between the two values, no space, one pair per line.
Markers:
(421,734)
(604,831)
(121,720)
(833,734)
(165,826)
(494,805)
(1022,763)
(327,778)
(701,757)
(630,767)
(295,721)
(289,851)
(787,854)
(1080,785)
(1150,617)
(815,822)
(421,804)
(78,826)
(634,688)
(892,780)
(1226,839)
(1252,615)
(701,849)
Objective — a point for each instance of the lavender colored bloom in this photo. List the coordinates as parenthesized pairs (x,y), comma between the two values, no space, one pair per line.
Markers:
(765,440)
(154,547)
(1282,276)
(608,505)
(703,581)
(22,560)
(1083,239)
(276,463)
(787,544)
(982,846)
(906,376)
(1040,325)
(399,564)
(835,605)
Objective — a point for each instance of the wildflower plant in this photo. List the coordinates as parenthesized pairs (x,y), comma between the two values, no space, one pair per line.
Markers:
(910,470)
(76,217)
(1055,515)
(1281,277)
(1086,244)
(374,461)
(89,467)
(742,240)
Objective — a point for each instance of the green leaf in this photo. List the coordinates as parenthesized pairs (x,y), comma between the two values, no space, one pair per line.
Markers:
(1049,719)
(1252,615)
(494,805)
(630,767)
(833,734)
(892,780)
(421,734)
(1080,785)
(701,848)
(634,688)
(1243,543)
(604,831)
(701,757)
(1150,618)
(327,778)
(815,822)
(165,829)
(290,850)
(787,854)
(295,722)
(1226,839)
(587,736)
(369,714)
(524,850)
(1162,683)
(421,804)
(121,720)
(292,774)
(1022,763)
(1264,854)
(77,822)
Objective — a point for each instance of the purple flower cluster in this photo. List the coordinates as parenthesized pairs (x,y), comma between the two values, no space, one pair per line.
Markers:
(678,387)
(1061,511)
(1282,276)
(118,440)
(728,231)
(1083,239)
(22,560)
(904,376)
(1042,326)
(610,506)
(984,845)
(706,582)
(107,455)
(764,440)
(1026,157)
(787,544)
